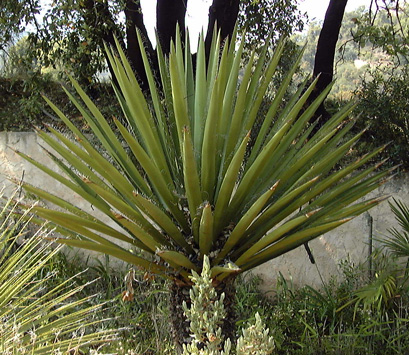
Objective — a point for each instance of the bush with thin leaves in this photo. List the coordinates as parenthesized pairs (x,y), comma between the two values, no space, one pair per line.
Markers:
(398,242)
(34,319)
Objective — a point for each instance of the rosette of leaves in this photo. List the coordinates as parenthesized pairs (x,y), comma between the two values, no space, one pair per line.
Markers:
(389,282)
(183,179)
(398,241)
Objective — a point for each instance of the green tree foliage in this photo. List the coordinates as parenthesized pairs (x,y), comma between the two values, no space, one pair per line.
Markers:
(384,94)
(67,36)
(19,64)
(15,15)
(385,26)
(384,106)
(73,33)
(260,18)
(21,84)
(347,74)
(371,65)
(23,80)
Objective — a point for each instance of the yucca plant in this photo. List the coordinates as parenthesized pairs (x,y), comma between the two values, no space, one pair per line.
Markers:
(398,242)
(181,179)
(390,279)
(36,319)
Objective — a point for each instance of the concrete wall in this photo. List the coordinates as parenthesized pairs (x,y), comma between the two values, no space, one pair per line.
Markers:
(349,241)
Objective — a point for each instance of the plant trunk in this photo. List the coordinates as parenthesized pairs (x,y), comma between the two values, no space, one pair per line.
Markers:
(180,330)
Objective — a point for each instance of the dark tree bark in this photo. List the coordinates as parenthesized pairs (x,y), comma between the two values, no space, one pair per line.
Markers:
(168,14)
(222,13)
(325,54)
(134,21)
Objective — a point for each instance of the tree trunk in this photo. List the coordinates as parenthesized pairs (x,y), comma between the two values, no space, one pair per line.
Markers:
(134,21)
(168,14)
(325,54)
(222,13)
(180,330)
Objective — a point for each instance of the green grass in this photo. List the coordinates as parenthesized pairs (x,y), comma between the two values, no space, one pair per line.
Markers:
(302,321)
(142,322)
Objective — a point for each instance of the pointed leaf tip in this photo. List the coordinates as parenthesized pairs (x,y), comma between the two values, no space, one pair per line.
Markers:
(381,163)
(379,200)
(316,178)
(274,187)
(311,213)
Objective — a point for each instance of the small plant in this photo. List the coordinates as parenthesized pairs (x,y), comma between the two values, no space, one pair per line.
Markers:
(390,279)
(398,242)
(206,315)
(255,340)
